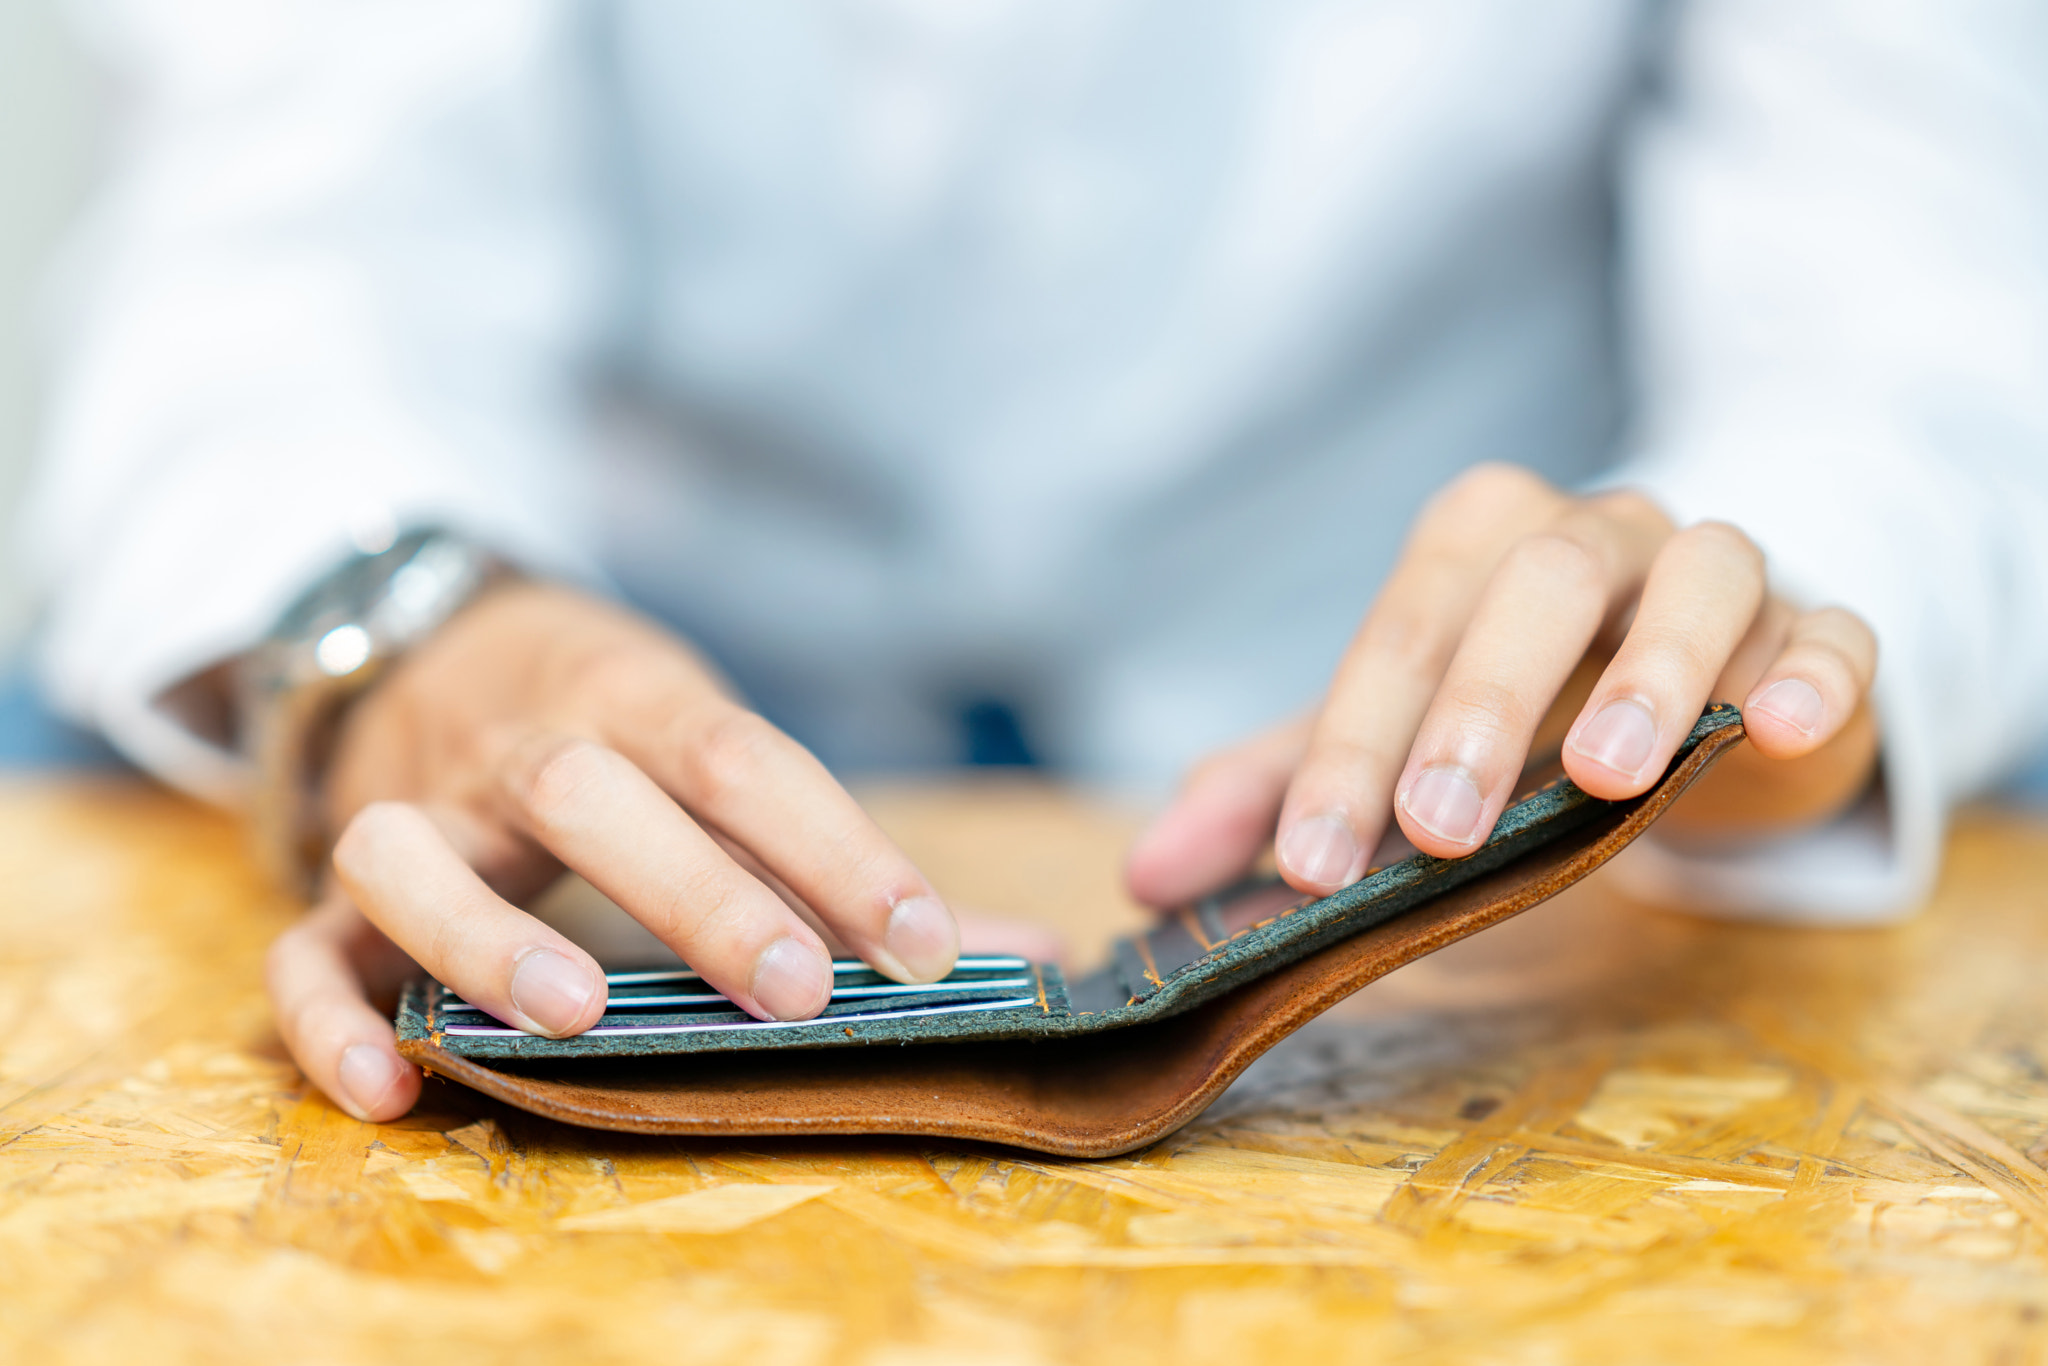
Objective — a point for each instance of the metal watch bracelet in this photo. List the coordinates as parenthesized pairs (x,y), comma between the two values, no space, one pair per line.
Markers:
(294,688)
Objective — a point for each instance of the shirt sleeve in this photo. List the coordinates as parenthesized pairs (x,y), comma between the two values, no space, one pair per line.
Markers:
(345,277)
(1836,222)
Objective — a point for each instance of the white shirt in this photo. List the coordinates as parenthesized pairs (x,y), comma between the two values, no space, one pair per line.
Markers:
(1088,353)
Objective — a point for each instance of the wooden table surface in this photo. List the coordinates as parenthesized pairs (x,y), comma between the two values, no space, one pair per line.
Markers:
(1599,1134)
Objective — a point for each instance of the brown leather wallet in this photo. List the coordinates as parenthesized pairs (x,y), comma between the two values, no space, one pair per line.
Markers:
(1012,1052)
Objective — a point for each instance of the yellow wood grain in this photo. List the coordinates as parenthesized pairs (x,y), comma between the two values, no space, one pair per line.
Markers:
(1598,1134)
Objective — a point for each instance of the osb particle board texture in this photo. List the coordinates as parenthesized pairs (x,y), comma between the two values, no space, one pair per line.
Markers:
(1598,1134)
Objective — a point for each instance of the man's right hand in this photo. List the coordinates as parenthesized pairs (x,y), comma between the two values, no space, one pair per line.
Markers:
(542,728)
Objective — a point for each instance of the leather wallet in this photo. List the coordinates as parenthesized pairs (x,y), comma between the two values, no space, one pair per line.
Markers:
(1015,1052)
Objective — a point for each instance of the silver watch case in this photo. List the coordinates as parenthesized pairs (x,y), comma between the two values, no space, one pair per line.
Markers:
(295,686)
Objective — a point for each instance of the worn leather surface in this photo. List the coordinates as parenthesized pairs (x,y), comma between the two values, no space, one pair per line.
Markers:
(1096,1094)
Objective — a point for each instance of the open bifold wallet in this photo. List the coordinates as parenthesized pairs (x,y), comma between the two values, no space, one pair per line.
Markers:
(1011,1051)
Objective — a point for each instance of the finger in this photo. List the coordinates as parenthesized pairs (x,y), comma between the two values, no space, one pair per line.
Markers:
(736,772)
(398,867)
(342,1043)
(609,821)
(1700,600)
(1219,821)
(1540,611)
(1815,685)
(1337,805)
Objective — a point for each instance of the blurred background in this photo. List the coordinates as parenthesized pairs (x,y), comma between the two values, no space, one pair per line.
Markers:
(46,155)
(48,138)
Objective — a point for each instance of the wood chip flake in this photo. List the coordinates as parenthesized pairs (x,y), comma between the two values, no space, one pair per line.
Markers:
(154,1201)
(1550,1226)
(424,1183)
(721,1209)
(1637,1107)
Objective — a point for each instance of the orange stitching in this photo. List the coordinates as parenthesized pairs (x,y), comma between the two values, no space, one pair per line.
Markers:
(1151,966)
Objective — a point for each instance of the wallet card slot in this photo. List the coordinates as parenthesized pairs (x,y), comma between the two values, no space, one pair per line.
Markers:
(840,967)
(670,1000)
(1172,947)
(1134,969)
(1052,990)
(1099,992)
(748,1023)
(462,1019)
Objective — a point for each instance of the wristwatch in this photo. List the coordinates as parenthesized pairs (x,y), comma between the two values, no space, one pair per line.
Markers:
(293,689)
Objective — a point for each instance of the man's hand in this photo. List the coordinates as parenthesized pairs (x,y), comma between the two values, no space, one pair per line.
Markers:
(543,728)
(1504,587)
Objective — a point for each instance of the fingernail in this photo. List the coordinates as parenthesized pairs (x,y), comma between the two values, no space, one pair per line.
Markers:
(1620,736)
(1322,851)
(922,937)
(1795,702)
(791,981)
(1446,803)
(551,992)
(367,1074)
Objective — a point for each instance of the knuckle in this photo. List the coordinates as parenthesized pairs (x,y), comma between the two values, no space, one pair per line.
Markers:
(1726,541)
(446,935)
(1489,711)
(1415,642)
(372,828)
(1497,483)
(1825,673)
(729,754)
(1831,620)
(1830,665)
(608,675)
(1341,765)
(1631,507)
(700,911)
(560,775)
(552,776)
(1842,627)
(1481,495)
(1560,558)
(1661,655)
